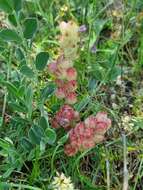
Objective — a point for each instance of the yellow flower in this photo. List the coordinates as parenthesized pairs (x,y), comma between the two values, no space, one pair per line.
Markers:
(61,182)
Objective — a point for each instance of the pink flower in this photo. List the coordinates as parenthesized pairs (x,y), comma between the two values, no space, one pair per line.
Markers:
(52,67)
(98,138)
(60,93)
(90,122)
(65,117)
(59,82)
(102,122)
(55,124)
(71,85)
(71,74)
(71,98)
(70,150)
(87,134)
(79,129)
(88,143)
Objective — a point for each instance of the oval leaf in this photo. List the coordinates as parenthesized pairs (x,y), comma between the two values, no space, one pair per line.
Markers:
(36,134)
(41,60)
(9,36)
(27,71)
(50,136)
(30,27)
(26,144)
(47,91)
(44,122)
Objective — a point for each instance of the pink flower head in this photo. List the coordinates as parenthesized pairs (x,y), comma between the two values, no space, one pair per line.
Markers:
(52,67)
(88,143)
(68,112)
(66,64)
(59,82)
(71,98)
(70,150)
(60,93)
(79,129)
(56,70)
(71,74)
(98,138)
(64,117)
(71,85)
(55,124)
(60,73)
(90,122)
(87,134)
(102,122)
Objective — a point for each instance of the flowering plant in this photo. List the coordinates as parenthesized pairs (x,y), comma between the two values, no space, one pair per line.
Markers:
(82,135)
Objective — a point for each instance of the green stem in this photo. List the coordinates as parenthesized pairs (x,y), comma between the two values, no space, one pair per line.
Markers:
(7,78)
(20,186)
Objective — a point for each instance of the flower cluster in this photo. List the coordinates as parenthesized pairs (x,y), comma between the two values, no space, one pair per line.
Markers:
(65,117)
(87,134)
(61,182)
(62,68)
(83,135)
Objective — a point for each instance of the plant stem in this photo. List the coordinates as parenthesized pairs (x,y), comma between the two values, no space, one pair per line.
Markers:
(125,180)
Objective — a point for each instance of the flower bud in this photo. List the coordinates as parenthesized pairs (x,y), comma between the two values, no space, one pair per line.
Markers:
(70,150)
(71,74)
(71,98)
(60,93)
(102,122)
(90,122)
(71,86)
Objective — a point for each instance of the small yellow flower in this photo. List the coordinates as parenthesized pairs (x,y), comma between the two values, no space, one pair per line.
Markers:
(64,8)
(61,182)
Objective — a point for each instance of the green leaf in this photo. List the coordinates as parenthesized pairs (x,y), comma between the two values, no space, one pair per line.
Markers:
(30,27)
(63,139)
(36,134)
(1,121)
(8,172)
(98,72)
(92,84)
(4,186)
(82,104)
(4,144)
(12,89)
(12,19)
(2,78)
(17,4)
(20,56)
(47,91)
(26,144)
(115,71)
(5,6)
(50,136)
(41,60)
(27,71)
(10,36)
(17,107)
(99,25)
(44,122)
(29,98)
